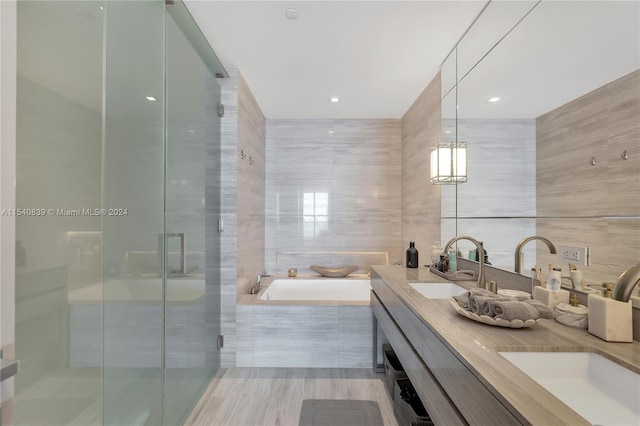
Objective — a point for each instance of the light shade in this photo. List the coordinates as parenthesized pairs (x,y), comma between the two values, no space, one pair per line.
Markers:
(449,162)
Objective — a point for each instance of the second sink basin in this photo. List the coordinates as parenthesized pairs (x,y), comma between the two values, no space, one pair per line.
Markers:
(438,290)
(598,389)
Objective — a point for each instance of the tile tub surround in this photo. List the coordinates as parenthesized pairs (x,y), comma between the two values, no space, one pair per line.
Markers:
(332,191)
(476,346)
(313,334)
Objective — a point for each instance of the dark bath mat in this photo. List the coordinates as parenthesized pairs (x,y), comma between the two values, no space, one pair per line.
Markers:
(340,412)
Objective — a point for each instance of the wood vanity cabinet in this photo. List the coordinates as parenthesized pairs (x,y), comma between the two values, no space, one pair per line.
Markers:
(450,392)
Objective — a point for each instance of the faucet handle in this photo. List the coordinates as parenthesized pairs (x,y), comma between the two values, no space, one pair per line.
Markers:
(608,289)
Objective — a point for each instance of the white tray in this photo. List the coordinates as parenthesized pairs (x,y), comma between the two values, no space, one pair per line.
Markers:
(489,320)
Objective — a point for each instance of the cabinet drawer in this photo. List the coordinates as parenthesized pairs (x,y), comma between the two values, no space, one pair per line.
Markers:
(471,397)
(410,325)
(438,405)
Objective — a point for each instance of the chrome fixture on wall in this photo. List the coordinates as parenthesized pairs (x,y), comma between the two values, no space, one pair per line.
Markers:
(448,162)
(626,283)
(518,253)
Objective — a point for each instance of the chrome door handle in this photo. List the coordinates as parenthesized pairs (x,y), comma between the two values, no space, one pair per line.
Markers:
(183,251)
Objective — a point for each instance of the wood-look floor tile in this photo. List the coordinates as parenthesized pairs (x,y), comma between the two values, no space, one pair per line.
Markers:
(273,396)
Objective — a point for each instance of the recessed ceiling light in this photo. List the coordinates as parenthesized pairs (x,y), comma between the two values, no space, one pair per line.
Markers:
(334,99)
(291,13)
(191,131)
(494,99)
(447,131)
(101,7)
(151,98)
(331,132)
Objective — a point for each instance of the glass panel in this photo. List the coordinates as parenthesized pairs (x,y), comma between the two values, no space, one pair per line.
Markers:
(448,132)
(192,209)
(497,19)
(448,73)
(133,180)
(58,242)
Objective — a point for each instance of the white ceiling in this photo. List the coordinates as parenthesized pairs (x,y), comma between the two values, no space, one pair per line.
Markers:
(377,56)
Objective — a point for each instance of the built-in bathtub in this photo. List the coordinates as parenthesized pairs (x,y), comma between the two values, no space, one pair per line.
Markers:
(306,322)
(329,289)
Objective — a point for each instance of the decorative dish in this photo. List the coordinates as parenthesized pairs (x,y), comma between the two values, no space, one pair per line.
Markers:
(339,272)
(489,320)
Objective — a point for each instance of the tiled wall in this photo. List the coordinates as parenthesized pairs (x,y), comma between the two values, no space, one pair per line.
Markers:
(304,336)
(251,187)
(242,241)
(332,185)
(229,168)
(596,206)
(420,199)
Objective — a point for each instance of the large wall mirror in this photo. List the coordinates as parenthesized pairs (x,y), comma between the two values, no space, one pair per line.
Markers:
(558,154)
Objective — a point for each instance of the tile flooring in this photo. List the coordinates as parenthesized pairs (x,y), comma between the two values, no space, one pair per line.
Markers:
(273,396)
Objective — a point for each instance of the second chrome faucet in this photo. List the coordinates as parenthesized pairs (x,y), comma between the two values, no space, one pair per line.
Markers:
(521,244)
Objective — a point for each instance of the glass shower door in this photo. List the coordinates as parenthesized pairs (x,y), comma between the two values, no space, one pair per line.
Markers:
(192,209)
(133,190)
(161,164)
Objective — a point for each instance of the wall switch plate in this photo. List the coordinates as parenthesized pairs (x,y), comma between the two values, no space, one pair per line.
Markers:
(578,255)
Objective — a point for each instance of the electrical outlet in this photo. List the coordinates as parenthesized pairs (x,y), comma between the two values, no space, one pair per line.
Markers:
(574,254)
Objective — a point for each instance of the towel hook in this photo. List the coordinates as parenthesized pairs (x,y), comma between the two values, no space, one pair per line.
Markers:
(593,161)
(251,161)
(625,155)
(242,154)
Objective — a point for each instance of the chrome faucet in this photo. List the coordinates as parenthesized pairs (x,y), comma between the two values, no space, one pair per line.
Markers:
(256,289)
(481,282)
(625,283)
(521,244)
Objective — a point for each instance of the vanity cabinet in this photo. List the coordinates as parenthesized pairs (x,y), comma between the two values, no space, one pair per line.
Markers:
(450,392)
(438,405)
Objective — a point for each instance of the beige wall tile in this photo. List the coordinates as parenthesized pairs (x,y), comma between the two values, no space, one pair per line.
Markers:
(420,199)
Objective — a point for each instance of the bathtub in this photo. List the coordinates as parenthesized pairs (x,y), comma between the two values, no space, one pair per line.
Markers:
(328,289)
(306,322)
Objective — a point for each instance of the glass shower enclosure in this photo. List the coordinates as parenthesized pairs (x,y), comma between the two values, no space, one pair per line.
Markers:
(118,283)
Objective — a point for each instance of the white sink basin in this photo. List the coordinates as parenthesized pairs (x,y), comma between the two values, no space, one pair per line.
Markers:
(438,290)
(598,389)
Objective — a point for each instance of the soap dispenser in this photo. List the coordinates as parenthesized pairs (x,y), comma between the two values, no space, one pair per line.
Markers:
(610,319)
(412,255)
